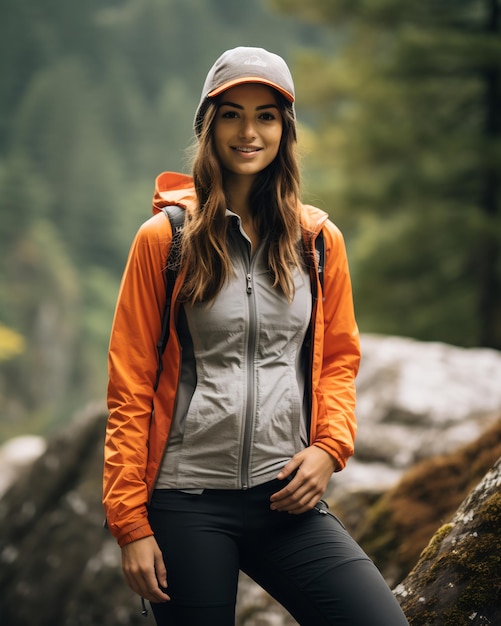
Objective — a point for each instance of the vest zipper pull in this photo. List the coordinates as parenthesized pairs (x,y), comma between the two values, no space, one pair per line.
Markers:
(249,283)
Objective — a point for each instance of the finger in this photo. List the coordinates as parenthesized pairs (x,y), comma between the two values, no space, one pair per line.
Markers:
(288,469)
(160,569)
(289,498)
(306,504)
(287,493)
(152,590)
(294,504)
(145,584)
(291,485)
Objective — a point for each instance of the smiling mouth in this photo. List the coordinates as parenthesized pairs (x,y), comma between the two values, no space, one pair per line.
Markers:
(246,149)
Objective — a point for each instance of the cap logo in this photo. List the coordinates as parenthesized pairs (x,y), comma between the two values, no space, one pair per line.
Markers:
(255,60)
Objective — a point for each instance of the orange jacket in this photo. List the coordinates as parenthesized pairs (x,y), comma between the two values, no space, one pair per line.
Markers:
(139,418)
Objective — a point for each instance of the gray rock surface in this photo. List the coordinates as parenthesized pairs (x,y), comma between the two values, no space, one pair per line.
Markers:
(58,563)
(416,400)
(16,454)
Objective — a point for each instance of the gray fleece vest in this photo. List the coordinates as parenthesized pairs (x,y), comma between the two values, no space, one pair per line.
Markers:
(240,413)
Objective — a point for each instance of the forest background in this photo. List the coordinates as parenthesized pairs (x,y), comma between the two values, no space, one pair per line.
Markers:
(399,107)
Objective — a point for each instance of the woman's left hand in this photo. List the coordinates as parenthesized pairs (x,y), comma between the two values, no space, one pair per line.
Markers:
(314,467)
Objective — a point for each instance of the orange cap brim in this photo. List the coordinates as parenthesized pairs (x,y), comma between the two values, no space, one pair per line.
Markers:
(250,79)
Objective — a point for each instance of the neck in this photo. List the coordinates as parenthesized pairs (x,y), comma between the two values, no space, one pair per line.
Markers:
(237,191)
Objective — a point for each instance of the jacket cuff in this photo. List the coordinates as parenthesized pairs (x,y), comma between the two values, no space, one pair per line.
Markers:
(139,532)
(340,461)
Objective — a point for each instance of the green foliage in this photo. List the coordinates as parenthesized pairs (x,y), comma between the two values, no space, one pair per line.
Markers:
(43,296)
(400,133)
(407,128)
(96,99)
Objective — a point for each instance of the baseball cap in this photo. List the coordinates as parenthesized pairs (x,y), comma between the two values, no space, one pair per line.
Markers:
(245,65)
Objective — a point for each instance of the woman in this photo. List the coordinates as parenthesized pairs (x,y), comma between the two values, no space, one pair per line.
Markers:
(254,409)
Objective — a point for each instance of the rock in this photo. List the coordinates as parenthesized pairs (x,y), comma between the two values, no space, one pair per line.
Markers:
(457,579)
(16,454)
(399,525)
(255,607)
(56,559)
(415,400)
(58,563)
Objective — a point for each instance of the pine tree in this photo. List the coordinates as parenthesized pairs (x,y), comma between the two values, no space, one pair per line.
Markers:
(408,121)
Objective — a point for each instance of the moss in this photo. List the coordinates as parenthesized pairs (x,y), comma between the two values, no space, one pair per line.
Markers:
(431,550)
(476,561)
(458,583)
(399,525)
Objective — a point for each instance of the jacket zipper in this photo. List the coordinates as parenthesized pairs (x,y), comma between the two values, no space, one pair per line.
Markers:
(250,382)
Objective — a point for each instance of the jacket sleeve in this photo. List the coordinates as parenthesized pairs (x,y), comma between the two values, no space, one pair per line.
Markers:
(132,366)
(336,355)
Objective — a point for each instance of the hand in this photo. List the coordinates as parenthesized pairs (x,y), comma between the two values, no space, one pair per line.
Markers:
(144,569)
(313,466)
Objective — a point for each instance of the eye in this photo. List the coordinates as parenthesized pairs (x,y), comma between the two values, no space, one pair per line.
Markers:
(267,117)
(229,114)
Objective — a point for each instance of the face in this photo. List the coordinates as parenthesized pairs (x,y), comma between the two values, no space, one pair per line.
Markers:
(247,129)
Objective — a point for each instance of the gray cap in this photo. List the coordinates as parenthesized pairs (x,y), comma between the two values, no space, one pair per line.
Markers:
(245,65)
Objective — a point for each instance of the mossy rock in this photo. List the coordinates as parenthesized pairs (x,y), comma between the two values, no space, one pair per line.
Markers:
(457,580)
(399,525)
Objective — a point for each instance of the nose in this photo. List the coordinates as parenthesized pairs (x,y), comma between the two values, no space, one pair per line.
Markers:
(247,129)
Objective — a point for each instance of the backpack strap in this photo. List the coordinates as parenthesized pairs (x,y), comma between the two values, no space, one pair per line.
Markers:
(176,215)
(320,252)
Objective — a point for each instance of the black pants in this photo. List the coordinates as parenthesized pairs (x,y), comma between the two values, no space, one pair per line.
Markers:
(308,562)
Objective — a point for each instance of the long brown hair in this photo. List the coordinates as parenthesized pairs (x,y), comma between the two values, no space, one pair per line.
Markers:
(275,203)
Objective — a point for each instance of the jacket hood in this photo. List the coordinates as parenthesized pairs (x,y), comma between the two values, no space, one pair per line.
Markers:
(173,188)
(312,218)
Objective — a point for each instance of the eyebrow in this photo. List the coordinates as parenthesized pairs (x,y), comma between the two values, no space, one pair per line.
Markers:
(239,106)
